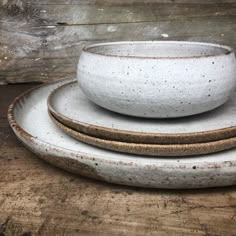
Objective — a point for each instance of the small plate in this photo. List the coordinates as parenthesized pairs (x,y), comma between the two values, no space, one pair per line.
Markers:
(31,123)
(150,149)
(71,107)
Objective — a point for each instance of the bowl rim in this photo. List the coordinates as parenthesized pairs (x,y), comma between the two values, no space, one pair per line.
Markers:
(228,50)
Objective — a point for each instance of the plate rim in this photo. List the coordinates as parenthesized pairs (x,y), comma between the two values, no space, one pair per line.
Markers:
(149,149)
(135,136)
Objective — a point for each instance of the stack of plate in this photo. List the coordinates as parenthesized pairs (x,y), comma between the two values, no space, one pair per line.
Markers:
(136,145)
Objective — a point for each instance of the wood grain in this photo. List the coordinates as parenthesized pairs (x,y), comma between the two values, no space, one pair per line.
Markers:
(129,2)
(68,14)
(39,199)
(42,40)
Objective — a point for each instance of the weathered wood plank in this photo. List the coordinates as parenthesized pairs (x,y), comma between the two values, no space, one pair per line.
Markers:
(41,41)
(39,199)
(128,2)
(45,53)
(102,14)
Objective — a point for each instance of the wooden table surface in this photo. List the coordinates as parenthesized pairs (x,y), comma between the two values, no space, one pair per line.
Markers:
(39,199)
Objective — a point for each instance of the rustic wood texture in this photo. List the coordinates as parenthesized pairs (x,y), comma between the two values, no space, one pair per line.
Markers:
(42,40)
(39,199)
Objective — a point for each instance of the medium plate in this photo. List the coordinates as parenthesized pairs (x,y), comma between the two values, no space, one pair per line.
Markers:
(150,149)
(70,106)
(30,121)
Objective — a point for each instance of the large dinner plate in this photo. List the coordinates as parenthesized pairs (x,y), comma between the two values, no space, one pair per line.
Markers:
(31,123)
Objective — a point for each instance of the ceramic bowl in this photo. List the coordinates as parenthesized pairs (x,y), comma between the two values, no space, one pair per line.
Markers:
(157,79)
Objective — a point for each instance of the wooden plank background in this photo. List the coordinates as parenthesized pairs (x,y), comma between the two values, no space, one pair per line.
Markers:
(42,40)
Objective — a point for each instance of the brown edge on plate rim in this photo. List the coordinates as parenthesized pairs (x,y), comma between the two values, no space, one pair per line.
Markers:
(35,140)
(166,150)
(54,158)
(138,137)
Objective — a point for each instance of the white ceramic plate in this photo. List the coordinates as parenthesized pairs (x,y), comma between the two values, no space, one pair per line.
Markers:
(30,121)
(156,150)
(69,105)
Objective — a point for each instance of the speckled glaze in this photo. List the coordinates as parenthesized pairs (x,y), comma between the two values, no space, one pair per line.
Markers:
(163,150)
(29,119)
(157,79)
(72,108)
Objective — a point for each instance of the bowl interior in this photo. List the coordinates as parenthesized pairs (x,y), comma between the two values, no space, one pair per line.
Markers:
(170,49)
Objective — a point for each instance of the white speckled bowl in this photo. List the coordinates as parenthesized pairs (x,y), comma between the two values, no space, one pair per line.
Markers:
(157,79)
